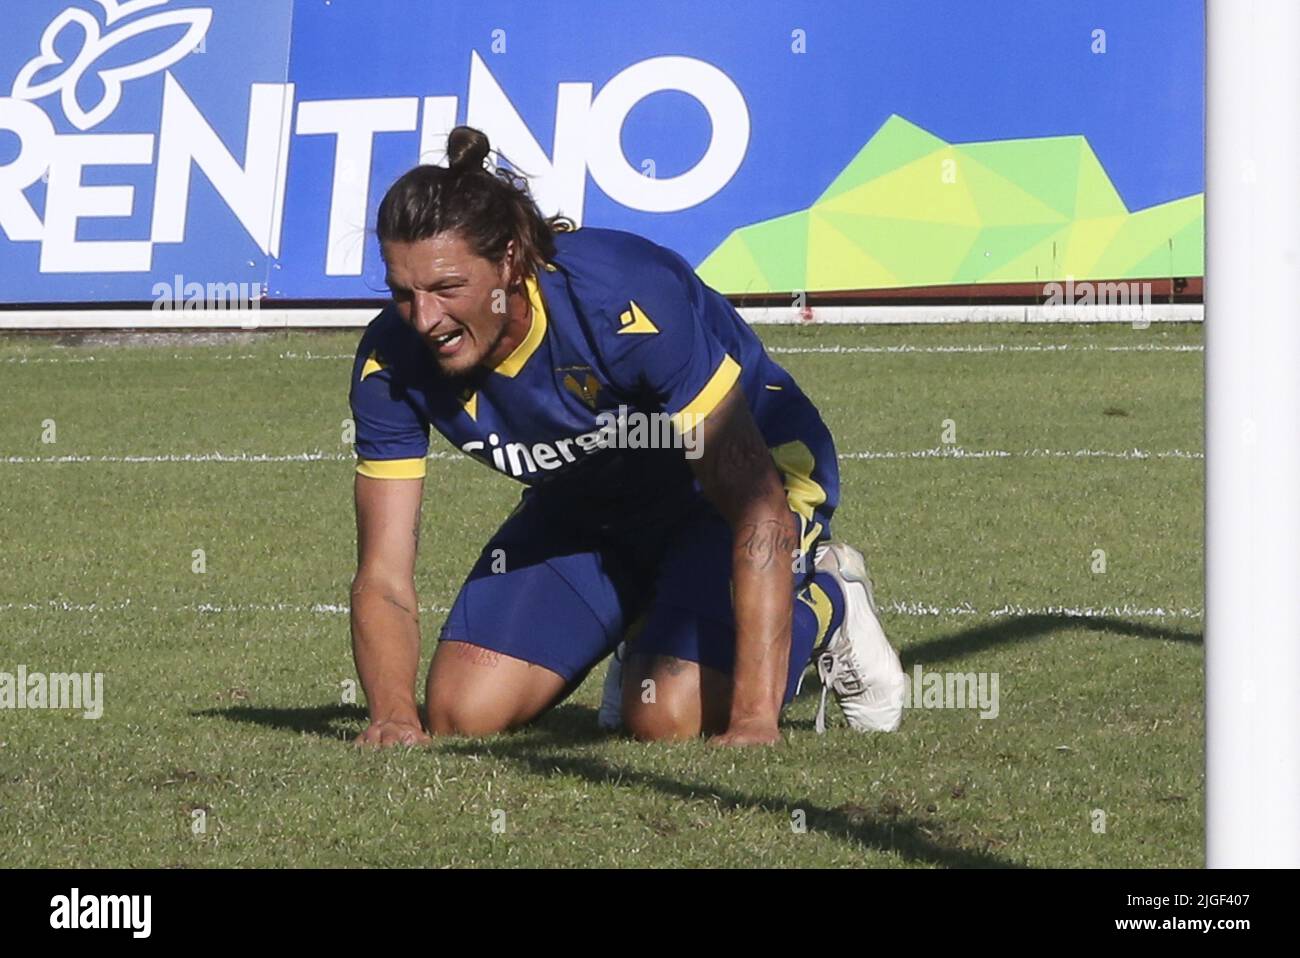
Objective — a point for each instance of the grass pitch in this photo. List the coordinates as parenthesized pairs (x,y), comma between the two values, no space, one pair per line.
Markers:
(223,689)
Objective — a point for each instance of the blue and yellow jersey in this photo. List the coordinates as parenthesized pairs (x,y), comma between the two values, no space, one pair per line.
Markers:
(618,324)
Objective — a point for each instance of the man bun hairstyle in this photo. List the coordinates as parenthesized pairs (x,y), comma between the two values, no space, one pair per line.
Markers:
(487,207)
(467,148)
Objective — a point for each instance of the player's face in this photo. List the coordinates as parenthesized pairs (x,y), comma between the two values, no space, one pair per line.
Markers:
(457,301)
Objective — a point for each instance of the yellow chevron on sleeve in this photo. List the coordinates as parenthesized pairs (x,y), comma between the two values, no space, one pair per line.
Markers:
(392,468)
(371,365)
(635,320)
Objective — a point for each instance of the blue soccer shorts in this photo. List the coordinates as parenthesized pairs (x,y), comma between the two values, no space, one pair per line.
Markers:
(559,587)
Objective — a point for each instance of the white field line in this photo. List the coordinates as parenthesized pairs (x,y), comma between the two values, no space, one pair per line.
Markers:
(1127,611)
(938,452)
(956,452)
(902,608)
(984,348)
(1137,314)
(990,348)
(203,457)
(188,457)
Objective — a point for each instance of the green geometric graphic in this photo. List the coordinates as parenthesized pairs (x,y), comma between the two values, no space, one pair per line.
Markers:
(913,210)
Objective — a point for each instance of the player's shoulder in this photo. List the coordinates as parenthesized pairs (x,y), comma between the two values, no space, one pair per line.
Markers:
(384,331)
(388,344)
(597,240)
(606,263)
(623,283)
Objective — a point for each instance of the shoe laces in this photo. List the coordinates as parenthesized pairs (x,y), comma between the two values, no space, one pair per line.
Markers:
(820,722)
(829,669)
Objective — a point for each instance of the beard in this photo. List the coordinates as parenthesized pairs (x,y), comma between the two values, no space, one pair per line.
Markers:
(462,376)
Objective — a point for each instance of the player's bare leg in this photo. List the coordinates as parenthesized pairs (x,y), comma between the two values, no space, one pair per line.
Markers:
(476,691)
(666,698)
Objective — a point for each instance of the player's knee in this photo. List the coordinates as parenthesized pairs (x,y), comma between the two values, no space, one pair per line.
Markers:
(665,720)
(457,716)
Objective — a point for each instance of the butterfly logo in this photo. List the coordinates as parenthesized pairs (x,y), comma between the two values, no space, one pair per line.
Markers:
(95,46)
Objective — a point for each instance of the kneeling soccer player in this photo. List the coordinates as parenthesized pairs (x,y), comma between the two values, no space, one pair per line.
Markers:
(544,351)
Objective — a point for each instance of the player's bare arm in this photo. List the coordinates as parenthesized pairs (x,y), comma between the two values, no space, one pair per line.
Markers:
(738,477)
(385,609)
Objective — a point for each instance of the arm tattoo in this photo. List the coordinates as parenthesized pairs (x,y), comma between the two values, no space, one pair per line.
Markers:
(767,541)
(740,463)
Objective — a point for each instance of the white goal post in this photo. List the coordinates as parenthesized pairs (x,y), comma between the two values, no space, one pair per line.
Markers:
(1252,328)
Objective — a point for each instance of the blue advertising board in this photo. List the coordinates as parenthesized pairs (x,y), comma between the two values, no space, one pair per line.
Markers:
(145,144)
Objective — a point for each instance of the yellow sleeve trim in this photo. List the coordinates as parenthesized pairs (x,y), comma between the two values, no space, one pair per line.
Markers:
(392,468)
(723,378)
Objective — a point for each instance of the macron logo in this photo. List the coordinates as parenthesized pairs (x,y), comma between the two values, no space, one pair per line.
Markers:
(102,911)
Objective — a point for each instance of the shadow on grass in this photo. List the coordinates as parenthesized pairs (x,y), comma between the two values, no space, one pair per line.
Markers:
(1013,631)
(906,837)
(572,724)
(339,722)
(567,724)
(1029,628)
(534,749)
(538,750)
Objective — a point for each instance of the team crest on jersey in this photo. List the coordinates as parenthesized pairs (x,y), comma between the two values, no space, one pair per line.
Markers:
(586,388)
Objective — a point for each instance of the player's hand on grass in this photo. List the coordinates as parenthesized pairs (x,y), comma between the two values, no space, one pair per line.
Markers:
(388,732)
(748,732)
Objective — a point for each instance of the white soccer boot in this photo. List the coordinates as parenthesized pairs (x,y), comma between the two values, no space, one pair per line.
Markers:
(857,662)
(610,716)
